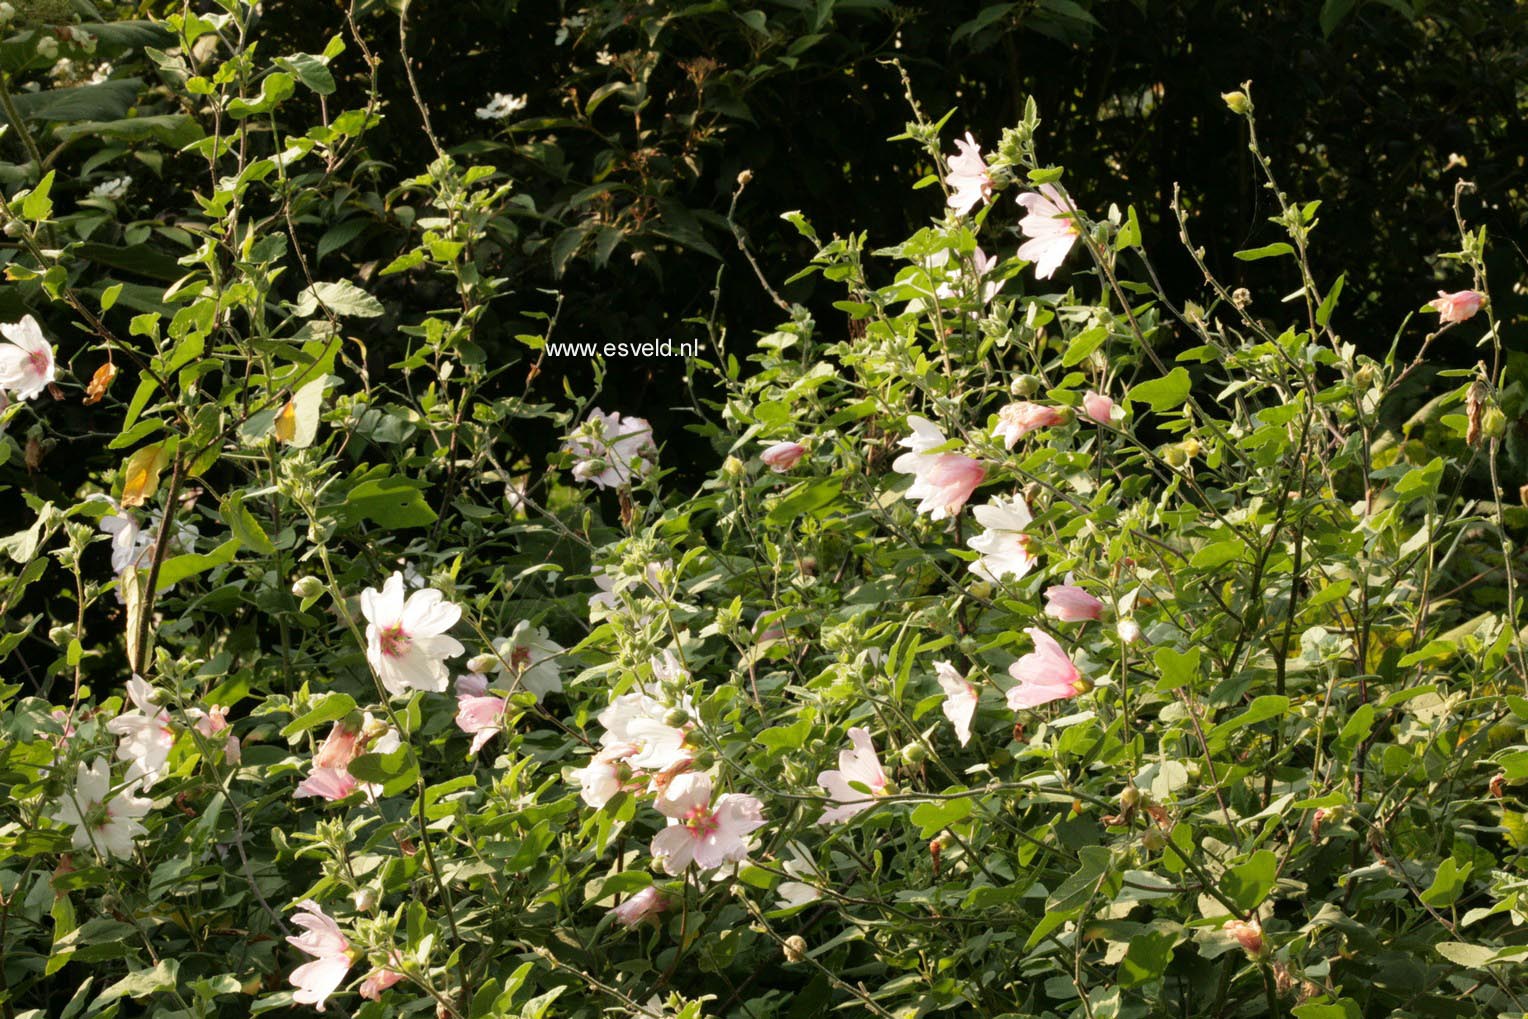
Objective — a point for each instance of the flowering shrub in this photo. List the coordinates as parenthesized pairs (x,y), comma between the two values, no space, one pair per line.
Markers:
(1040,644)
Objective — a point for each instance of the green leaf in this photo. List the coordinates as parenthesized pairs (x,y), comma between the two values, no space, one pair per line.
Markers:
(335,705)
(1421,480)
(1178,668)
(244,525)
(1461,954)
(142,983)
(808,497)
(391,502)
(1329,303)
(106,100)
(1354,732)
(1448,883)
(1266,251)
(1147,958)
(1130,234)
(340,298)
(310,70)
(1164,393)
(178,568)
(1248,884)
(1083,344)
(37,205)
(1261,709)
(1333,12)
(1217,554)
(307,405)
(936,817)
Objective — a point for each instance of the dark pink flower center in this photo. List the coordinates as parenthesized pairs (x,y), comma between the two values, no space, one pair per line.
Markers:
(39,359)
(520,658)
(701,822)
(395,643)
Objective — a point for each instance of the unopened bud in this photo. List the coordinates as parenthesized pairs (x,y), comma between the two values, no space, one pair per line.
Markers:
(733,467)
(1129,630)
(795,948)
(1024,385)
(914,754)
(1248,933)
(307,587)
(1239,102)
(676,718)
(482,663)
(61,635)
(1130,798)
(1493,423)
(365,899)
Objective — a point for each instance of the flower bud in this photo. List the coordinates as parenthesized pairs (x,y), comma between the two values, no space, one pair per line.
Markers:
(733,467)
(365,899)
(1024,385)
(307,587)
(914,754)
(1493,423)
(1248,933)
(1239,102)
(795,948)
(482,663)
(1153,839)
(61,635)
(676,718)
(1130,798)
(1129,630)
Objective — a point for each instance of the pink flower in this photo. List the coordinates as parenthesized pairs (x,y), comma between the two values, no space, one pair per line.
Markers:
(26,362)
(321,938)
(340,747)
(377,981)
(782,456)
(1017,420)
(859,766)
(611,450)
(1098,407)
(960,699)
(649,902)
(1071,604)
(942,481)
(700,832)
(1049,227)
(969,180)
(330,783)
(1456,307)
(1044,675)
(481,716)
(147,736)
(1248,933)
(213,721)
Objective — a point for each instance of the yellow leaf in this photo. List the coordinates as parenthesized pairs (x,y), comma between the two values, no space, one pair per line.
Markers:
(141,475)
(286,422)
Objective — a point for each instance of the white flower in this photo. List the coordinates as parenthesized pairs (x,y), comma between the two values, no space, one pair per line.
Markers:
(7,13)
(859,766)
(128,542)
(608,773)
(799,892)
(700,832)
(406,642)
(501,106)
(112,189)
(960,699)
(1003,545)
(1049,227)
(26,362)
(110,823)
(610,450)
(527,660)
(147,735)
(47,47)
(637,721)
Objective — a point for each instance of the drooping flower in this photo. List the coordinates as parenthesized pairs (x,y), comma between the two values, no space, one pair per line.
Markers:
(1070,603)
(322,939)
(128,542)
(611,450)
(526,660)
(1098,407)
(147,735)
(648,902)
(942,481)
(782,456)
(482,716)
(340,747)
(858,766)
(26,361)
(960,699)
(1248,933)
(1459,306)
(406,641)
(701,832)
(1050,228)
(1017,420)
(213,721)
(607,774)
(377,981)
(108,822)
(329,783)
(969,179)
(1003,543)
(1044,675)
(500,106)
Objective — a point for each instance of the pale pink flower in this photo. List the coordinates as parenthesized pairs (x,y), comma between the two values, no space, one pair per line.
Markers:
(1248,933)
(607,774)
(26,362)
(340,747)
(858,766)
(377,981)
(1098,407)
(147,735)
(1050,228)
(406,641)
(648,902)
(483,717)
(611,450)
(329,783)
(1071,604)
(1044,675)
(942,481)
(1455,307)
(969,179)
(110,823)
(1129,630)
(321,938)
(1017,420)
(986,289)
(701,832)
(782,456)
(213,721)
(960,699)
(1003,545)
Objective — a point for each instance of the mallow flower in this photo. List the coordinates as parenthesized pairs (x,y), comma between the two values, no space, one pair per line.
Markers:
(1456,307)
(699,831)
(782,456)
(147,735)
(26,360)
(610,450)
(321,938)
(1098,407)
(406,641)
(1050,228)
(969,179)
(960,699)
(527,659)
(1003,545)
(478,713)
(942,481)
(1070,603)
(108,822)
(1017,420)
(1044,675)
(648,902)
(858,766)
